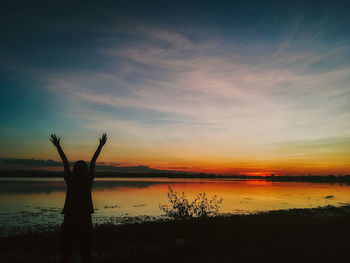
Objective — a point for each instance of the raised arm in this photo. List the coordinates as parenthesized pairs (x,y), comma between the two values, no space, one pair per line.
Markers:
(103,140)
(56,142)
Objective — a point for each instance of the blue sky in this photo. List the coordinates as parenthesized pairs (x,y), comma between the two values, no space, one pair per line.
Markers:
(239,86)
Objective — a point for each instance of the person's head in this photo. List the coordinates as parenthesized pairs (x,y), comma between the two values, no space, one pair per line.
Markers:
(80,169)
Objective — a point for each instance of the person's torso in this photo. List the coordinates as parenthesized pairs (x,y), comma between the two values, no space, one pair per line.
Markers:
(78,197)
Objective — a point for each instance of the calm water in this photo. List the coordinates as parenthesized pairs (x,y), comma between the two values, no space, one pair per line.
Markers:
(26,202)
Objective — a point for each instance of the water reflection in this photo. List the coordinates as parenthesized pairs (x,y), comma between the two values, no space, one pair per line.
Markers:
(39,201)
(30,187)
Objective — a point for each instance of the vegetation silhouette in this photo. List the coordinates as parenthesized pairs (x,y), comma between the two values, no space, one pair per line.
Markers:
(182,209)
(76,228)
(296,235)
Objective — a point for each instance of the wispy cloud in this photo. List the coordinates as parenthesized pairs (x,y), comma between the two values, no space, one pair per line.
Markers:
(190,94)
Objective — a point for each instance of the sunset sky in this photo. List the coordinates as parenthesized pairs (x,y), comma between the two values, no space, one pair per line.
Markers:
(253,87)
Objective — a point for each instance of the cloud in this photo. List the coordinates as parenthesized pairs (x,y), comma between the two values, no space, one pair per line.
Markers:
(184,93)
(164,85)
(326,146)
(31,164)
(9,162)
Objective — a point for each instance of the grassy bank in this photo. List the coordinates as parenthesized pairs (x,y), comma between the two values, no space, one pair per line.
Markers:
(297,235)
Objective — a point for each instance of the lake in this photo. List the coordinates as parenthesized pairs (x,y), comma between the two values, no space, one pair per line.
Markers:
(39,201)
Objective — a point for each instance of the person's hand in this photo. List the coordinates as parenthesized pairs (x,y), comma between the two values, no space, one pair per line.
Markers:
(55,140)
(103,139)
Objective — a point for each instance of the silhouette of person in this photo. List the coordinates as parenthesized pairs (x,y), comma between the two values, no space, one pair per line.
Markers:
(76,228)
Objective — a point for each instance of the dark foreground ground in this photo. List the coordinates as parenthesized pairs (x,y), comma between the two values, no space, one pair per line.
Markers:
(298,235)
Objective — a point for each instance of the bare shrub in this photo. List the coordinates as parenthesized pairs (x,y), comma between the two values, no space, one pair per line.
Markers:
(181,208)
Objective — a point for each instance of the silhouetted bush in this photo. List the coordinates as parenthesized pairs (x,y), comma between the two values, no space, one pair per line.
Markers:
(182,209)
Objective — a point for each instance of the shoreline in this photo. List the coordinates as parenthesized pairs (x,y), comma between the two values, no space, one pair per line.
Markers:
(312,234)
(331,179)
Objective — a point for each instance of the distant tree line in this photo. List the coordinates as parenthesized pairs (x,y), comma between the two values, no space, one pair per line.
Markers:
(176,174)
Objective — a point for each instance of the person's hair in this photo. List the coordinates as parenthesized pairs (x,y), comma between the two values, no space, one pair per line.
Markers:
(80,169)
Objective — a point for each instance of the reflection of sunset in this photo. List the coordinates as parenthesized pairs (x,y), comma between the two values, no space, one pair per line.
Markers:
(247,195)
(258,182)
(132,197)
